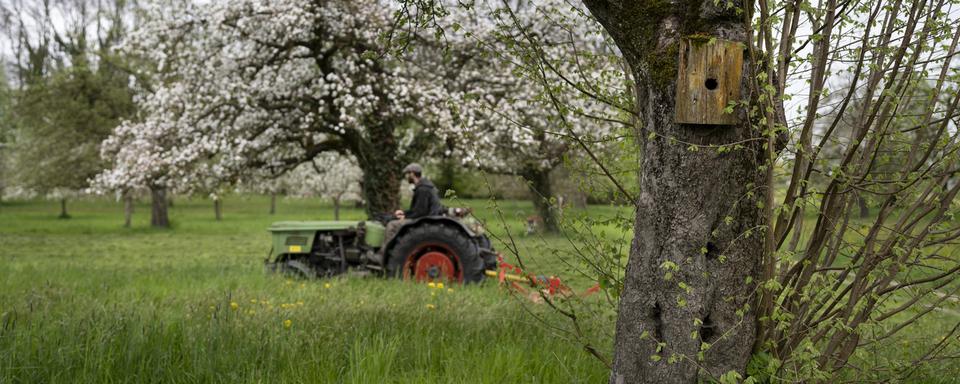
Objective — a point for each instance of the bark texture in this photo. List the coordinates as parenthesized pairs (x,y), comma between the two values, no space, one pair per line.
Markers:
(686,280)
(158,215)
(378,155)
(381,183)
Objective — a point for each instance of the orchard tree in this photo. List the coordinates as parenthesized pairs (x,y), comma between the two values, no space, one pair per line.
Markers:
(243,87)
(526,110)
(721,273)
(328,176)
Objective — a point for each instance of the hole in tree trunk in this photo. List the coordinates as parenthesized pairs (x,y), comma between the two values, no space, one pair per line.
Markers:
(712,251)
(711,84)
(707,333)
(656,318)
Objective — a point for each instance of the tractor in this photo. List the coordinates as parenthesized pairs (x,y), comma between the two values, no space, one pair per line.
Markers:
(450,247)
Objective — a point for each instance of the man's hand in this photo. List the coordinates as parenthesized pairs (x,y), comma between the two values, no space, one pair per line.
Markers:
(399,214)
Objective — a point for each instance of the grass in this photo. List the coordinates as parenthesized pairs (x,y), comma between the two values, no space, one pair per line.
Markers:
(85,300)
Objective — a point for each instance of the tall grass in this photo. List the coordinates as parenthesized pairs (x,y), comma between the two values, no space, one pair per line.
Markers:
(85,300)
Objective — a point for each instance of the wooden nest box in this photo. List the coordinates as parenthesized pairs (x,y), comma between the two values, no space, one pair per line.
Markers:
(708,80)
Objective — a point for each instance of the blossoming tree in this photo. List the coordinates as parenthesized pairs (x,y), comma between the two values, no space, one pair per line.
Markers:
(540,82)
(329,176)
(243,87)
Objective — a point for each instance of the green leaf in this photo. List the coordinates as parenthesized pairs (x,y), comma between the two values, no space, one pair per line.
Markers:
(731,377)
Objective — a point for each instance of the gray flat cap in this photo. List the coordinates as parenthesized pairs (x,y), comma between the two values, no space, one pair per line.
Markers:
(413,167)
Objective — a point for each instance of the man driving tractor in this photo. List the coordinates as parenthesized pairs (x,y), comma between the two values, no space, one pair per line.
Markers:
(425,202)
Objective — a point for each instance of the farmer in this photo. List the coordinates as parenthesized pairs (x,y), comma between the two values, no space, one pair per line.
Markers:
(425,202)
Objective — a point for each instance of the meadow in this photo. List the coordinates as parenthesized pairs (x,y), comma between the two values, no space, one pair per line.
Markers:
(86,300)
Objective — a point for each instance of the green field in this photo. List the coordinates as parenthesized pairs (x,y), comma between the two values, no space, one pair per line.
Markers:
(85,300)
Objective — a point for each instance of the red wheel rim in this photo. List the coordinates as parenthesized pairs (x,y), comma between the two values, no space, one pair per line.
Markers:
(432,262)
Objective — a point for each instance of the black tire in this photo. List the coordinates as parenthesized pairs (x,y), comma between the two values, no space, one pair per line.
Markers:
(465,250)
(487,253)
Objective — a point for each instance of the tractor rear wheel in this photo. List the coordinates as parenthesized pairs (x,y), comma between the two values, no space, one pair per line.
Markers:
(435,252)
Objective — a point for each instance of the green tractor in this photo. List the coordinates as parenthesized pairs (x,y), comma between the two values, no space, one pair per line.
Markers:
(451,247)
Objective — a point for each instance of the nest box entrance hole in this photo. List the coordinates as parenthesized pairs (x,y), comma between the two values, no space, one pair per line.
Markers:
(708,80)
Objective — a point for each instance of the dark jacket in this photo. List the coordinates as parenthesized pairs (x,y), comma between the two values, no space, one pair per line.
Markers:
(426,201)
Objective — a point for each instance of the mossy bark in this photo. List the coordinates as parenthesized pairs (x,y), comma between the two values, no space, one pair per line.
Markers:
(378,156)
(686,308)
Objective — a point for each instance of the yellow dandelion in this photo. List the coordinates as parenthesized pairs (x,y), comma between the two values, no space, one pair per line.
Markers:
(287,323)
(234,306)
(439,285)
(431,306)
(449,290)
(327,285)
(431,285)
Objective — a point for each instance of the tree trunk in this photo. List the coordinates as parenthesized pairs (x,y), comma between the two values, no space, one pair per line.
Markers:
(381,187)
(336,208)
(63,209)
(158,215)
(217,209)
(541,191)
(693,264)
(381,166)
(127,210)
(273,203)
